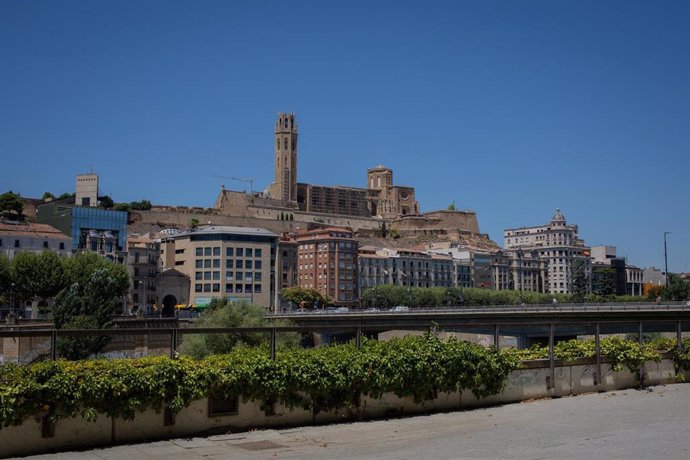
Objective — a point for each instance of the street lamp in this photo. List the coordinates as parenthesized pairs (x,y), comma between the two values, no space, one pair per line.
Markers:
(666,259)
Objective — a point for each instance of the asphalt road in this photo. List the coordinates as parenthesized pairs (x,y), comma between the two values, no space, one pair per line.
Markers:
(652,423)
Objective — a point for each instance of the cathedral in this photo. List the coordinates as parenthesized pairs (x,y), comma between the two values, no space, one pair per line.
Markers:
(380,198)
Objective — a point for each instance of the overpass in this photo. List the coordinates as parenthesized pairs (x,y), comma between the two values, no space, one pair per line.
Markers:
(529,323)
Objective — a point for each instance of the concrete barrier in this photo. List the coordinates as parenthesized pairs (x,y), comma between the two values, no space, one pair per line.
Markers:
(35,435)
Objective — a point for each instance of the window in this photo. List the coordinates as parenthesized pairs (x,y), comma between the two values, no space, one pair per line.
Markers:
(248,276)
(45,245)
(238,288)
(179,262)
(257,289)
(136,271)
(248,252)
(257,264)
(216,287)
(240,252)
(198,276)
(229,263)
(257,252)
(248,264)
(207,263)
(199,252)
(248,288)
(216,251)
(16,244)
(216,276)
(199,263)
(62,245)
(207,251)
(207,276)
(238,276)
(207,287)
(229,252)
(216,263)
(229,288)
(229,276)
(257,276)
(198,287)
(239,264)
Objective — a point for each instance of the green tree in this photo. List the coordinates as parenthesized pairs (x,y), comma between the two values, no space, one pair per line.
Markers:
(143,205)
(678,288)
(106,202)
(451,207)
(37,275)
(223,313)
(66,195)
(11,203)
(194,223)
(305,297)
(122,207)
(88,303)
(47,196)
(580,281)
(5,274)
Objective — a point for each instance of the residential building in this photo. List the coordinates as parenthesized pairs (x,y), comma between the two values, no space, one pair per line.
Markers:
(405,267)
(561,248)
(634,279)
(237,263)
(32,237)
(520,270)
(327,262)
(143,253)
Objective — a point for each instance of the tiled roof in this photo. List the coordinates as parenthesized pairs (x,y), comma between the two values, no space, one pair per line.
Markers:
(32,229)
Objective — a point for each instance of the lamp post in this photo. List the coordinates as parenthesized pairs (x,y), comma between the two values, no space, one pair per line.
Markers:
(520,275)
(666,259)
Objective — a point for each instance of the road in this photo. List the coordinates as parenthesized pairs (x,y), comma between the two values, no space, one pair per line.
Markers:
(629,424)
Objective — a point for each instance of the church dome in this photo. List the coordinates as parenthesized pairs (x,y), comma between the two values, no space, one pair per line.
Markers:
(558,218)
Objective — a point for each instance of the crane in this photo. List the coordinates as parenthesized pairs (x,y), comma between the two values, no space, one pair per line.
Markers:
(240,179)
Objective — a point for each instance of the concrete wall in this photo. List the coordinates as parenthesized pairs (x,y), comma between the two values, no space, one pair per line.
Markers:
(524,384)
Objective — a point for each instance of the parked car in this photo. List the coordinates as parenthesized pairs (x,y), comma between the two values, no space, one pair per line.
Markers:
(400,308)
(371,310)
(342,310)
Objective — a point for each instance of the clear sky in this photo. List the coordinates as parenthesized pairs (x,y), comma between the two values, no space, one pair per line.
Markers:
(509,108)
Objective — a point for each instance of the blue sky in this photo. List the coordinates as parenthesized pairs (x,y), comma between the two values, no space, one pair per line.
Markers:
(509,108)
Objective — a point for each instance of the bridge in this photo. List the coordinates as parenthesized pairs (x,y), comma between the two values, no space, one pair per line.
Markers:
(529,323)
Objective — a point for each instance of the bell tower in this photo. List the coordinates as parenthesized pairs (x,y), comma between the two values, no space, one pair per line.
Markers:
(285,183)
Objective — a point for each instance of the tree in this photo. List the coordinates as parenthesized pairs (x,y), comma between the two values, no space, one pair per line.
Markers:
(5,273)
(47,196)
(106,202)
(451,207)
(88,303)
(579,281)
(37,275)
(66,195)
(383,230)
(678,288)
(223,313)
(12,203)
(194,223)
(305,297)
(122,207)
(143,205)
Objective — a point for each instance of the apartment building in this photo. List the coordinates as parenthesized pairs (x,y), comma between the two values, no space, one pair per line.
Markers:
(405,267)
(327,262)
(18,237)
(559,245)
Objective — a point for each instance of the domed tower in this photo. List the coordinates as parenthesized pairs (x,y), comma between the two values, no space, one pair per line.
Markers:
(285,184)
(379,177)
(558,219)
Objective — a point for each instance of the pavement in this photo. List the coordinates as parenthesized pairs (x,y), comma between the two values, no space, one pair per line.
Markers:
(652,423)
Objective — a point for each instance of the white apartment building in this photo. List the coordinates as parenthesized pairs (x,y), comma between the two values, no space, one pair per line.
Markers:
(559,245)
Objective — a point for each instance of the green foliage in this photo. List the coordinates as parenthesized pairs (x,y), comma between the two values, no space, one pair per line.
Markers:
(143,205)
(106,202)
(394,233)
(579,283)
(5,273)
(95,289)
(305,297)
(437,297)
(122,207)
(66,195)
(319,379)
(222,313)
(37,275)
(194,223)
(451,207)
(47,196)
(11,203)
(619,351)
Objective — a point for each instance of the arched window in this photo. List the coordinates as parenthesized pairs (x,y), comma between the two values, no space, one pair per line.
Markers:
(278,143)
(285,144)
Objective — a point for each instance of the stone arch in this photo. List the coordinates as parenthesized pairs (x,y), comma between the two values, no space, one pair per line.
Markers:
(169,302)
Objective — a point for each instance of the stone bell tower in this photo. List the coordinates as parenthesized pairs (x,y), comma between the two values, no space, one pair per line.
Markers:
(284,186)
